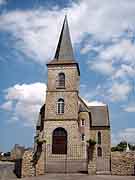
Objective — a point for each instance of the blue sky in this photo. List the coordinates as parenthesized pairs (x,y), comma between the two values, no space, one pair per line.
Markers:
(102,34)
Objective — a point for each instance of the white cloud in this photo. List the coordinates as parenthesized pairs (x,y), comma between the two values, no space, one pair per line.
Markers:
(2,2)
(92,94)
(123,50)
(119,91)
(95,103)
(90,47)
(24,101)
(36,34)
(124,71)
(130,108)
(127,134)
(102,67)
(117,63)
(7,106)
(36,31)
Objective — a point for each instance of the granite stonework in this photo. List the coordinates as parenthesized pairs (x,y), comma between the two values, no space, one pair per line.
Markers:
(123,163)
(27,165)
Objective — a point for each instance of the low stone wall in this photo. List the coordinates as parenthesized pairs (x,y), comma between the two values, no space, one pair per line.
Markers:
(123,163)
(27,166)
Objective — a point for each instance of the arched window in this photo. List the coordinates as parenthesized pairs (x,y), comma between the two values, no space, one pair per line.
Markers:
(60,106)
(59,141)
(99,152)
(82,122)
(61,80)
(99,138)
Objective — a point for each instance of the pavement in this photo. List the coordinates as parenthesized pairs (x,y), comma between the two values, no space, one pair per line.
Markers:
(6,173)
(77,177)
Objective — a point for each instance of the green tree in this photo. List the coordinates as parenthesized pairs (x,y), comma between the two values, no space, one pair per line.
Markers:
(122,146)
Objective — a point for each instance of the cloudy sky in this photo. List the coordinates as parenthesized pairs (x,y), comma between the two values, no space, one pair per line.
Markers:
(103,37)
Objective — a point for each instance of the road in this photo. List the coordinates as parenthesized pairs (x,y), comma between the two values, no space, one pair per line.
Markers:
(6,170)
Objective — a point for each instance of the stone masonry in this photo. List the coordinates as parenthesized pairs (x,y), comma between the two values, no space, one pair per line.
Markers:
(69,94)
(27,165)
(123,163)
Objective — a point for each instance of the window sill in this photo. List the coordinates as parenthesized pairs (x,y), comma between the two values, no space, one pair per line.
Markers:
(60,87)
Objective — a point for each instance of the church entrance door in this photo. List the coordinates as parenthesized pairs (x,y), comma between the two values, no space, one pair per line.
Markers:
(59,145)
(63,159)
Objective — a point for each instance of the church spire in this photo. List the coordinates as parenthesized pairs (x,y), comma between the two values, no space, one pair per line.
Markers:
(64,49)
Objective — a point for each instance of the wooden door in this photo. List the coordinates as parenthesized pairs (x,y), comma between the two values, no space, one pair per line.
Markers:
(59,145)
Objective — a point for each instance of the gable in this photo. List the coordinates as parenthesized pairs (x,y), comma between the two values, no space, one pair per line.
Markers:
(82,105)
(98,113)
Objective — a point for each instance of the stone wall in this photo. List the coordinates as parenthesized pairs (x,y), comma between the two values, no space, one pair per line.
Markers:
(86,128)
(105,139)
(123,163)
(69,93)
(70,105)
(102,163)
(27,166)
(71,77)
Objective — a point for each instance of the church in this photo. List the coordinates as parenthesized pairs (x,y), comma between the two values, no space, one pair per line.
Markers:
(71,136)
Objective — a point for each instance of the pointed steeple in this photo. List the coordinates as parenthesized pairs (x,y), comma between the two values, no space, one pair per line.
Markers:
(64,49)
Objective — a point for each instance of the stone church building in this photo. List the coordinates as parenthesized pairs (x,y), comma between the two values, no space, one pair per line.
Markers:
(71,136)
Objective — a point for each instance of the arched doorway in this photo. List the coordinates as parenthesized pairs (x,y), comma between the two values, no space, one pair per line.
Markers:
(59,141)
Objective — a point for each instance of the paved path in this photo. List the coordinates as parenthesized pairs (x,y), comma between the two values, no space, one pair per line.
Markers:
(6,170)
(78,177)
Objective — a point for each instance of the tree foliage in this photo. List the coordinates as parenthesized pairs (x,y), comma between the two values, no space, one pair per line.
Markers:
(122,147)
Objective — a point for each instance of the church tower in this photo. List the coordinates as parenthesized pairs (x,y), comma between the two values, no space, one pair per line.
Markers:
(61,109)
(63,81)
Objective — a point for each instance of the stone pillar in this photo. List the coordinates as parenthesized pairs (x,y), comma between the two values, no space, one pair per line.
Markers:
(40,166)
(27,164)
(91,160)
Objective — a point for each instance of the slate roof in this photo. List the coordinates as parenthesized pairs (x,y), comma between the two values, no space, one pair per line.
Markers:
(64,49)
(64,52)
(99,114)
